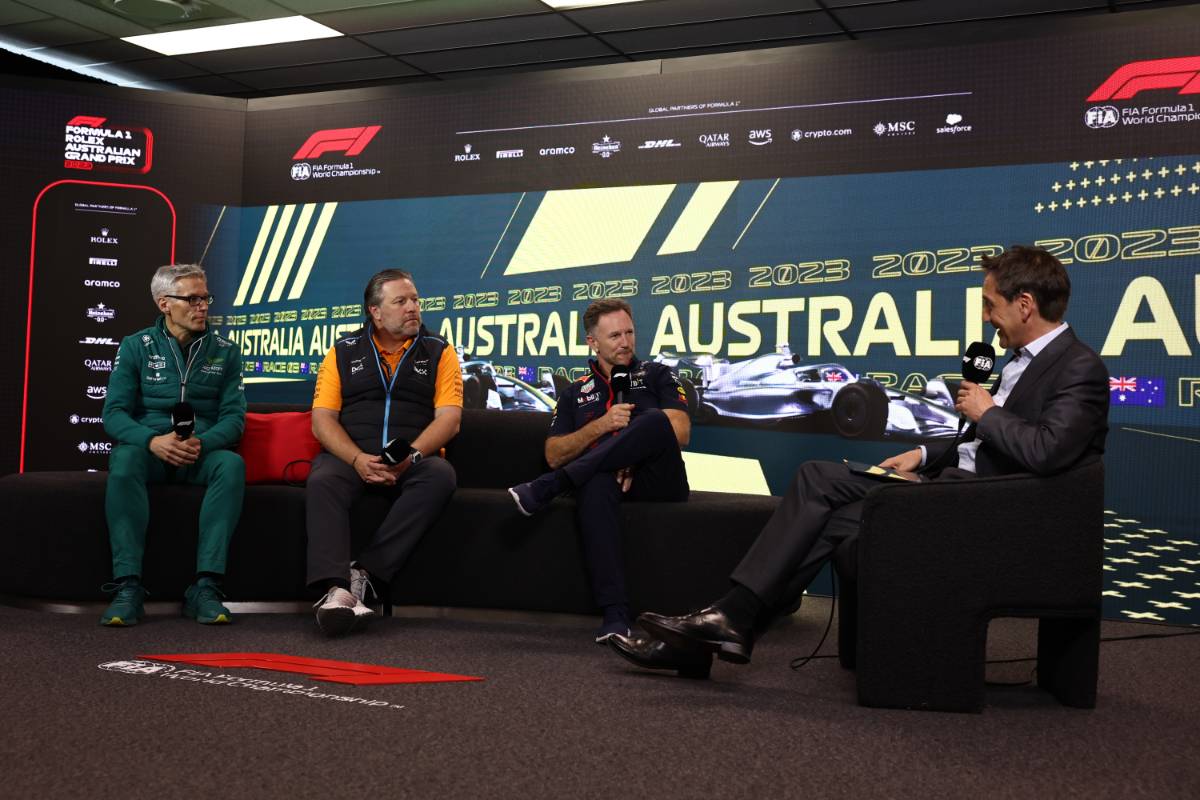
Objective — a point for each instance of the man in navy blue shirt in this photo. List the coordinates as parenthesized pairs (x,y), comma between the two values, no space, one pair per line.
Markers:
(604,450)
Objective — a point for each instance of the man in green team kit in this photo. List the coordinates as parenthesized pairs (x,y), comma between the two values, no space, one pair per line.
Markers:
(162,375)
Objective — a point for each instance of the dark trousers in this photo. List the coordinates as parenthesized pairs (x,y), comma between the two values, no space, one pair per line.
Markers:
(649,446)
(333,486)
(821,509)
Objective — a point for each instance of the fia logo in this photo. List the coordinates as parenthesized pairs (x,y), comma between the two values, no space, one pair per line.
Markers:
(1101,117)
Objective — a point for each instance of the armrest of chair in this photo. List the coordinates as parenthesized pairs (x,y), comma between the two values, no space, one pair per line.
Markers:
(947,541)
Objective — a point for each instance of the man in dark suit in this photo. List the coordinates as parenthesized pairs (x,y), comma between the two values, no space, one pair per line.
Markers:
(1049,413)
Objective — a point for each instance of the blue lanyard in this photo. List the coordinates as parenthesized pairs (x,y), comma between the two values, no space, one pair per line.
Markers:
(387,385)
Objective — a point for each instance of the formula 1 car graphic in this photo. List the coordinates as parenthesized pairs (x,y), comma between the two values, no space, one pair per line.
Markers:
(483,387)
(778,389)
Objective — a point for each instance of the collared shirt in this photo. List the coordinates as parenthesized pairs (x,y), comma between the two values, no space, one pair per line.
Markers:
(448,390)
(1008,380)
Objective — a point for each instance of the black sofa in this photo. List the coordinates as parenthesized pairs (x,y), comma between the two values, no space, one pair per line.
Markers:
(481,554)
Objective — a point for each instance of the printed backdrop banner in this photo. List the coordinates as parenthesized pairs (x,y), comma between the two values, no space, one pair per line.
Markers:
(799,240)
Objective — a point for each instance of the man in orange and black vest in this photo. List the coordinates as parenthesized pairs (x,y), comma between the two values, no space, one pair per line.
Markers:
(604,447)
(391,382)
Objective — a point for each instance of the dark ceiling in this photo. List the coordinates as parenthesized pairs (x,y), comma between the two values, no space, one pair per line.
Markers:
(402,41)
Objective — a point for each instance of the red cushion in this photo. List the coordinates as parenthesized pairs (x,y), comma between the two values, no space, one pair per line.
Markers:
(279,447)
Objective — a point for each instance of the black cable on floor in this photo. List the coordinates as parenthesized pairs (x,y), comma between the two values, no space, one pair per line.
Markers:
(799,661)
(1195,632)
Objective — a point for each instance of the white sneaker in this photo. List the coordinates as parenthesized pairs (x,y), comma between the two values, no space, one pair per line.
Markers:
(360,584)
(337,612)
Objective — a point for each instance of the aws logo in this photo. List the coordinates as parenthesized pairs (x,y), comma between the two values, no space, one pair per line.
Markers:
(1140,76)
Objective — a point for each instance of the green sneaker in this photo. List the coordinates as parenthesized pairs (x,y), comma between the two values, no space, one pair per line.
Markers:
(126,606)
(202,602)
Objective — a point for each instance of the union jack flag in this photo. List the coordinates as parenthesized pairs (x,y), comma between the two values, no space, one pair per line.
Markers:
(1122,384)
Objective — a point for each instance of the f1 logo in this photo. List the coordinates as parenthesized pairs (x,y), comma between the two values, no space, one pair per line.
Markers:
(319,669)
(87,122)
(1140,76)
(1189,392)
(350,141)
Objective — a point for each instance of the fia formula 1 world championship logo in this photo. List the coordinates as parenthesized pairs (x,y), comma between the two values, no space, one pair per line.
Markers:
(1130,80)
(347,141)
(1140,76)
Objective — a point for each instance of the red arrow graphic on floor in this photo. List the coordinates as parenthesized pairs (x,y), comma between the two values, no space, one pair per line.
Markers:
(319,669)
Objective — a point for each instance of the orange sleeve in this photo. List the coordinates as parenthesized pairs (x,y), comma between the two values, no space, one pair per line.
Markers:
(449,380)
(328,393)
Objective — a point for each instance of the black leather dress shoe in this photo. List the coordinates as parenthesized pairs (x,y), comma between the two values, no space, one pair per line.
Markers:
(653,654)
(706,631)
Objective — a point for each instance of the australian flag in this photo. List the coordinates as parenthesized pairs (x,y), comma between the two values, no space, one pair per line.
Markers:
(1136,391)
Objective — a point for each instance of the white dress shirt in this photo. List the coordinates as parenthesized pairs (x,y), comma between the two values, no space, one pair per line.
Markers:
(1008,379)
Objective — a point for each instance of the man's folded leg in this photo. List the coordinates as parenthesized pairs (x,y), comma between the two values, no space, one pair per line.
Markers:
(784,558)
(647,436)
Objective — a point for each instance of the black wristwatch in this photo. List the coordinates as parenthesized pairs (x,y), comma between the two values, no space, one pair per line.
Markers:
(414,457)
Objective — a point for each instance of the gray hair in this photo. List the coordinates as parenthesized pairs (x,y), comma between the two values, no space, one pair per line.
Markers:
(373,294)
(163,282)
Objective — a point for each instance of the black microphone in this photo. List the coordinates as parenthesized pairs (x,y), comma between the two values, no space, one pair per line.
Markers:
(977,364)
(396,451)
(183,419)
(619,381)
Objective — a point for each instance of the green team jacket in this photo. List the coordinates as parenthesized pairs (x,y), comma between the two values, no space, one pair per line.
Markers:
(151,374)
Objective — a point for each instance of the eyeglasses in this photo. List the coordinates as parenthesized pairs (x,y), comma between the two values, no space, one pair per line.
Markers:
(193,300)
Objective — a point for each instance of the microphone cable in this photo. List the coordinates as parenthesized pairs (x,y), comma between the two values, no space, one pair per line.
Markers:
(801,661)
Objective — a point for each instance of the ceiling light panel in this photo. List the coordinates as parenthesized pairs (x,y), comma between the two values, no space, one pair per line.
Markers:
(239,34)
(567,5)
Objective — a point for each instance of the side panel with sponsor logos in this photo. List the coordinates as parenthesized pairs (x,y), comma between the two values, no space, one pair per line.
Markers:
(95,246)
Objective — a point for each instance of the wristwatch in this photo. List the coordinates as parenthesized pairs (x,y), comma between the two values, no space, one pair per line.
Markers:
(414,456)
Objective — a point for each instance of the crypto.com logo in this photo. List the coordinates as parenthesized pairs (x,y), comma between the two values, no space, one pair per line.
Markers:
(1140,76)
(350,141)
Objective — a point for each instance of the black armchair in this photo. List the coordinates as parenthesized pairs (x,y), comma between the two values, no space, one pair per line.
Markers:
(934,562)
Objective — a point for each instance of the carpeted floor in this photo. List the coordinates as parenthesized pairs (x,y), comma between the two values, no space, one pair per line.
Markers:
(558,716)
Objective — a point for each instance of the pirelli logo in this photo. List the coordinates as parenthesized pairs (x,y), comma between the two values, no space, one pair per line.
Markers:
(1140,76)
(285,249)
